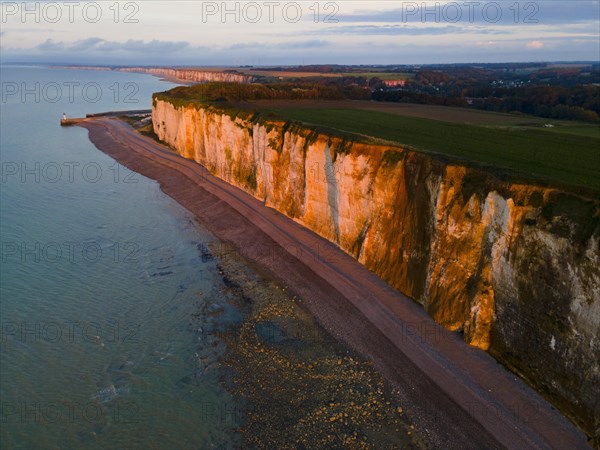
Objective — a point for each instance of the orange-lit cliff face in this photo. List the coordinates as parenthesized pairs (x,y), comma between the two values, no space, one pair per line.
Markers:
(512,266)
(192,75)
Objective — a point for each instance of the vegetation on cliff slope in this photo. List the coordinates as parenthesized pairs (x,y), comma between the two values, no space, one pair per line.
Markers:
(235,92)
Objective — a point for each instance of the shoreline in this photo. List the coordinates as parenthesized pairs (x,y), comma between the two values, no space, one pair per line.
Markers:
(286,372)
(460,395)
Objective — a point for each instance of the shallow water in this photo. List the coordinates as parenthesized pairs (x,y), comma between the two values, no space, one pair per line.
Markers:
(101,274)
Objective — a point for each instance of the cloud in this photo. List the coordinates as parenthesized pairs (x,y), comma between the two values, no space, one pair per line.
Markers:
(139,46)
(487,44)
(101,45)
(535,44)
(312,43)
(85,44)
(50,45)
(30,30)
(407,30)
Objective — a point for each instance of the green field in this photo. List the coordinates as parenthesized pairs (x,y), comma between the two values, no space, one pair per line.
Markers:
(308,74)
(586,130)
(577,129)
(571,159)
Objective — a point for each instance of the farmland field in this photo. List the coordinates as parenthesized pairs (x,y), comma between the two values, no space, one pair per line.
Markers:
(443,113)
(307,74)
(286,74)
(567,158)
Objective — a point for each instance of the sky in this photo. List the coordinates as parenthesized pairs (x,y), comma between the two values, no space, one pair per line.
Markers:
(260,33)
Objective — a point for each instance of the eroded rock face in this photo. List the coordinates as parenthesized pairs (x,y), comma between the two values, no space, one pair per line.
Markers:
(512,266)
(193,75)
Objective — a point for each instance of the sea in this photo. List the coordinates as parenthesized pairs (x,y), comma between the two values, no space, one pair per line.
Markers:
(102,276)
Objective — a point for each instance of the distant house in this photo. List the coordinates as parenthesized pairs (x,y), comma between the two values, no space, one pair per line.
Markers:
(394,83)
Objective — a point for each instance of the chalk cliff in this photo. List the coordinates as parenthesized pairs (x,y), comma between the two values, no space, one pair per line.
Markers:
(514,267)
(192,75)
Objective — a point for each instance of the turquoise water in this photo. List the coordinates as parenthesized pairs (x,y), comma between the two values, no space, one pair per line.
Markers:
(101,273)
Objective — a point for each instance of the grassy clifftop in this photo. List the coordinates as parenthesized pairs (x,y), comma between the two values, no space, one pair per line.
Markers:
(236,92)
(541,154)
(565,158)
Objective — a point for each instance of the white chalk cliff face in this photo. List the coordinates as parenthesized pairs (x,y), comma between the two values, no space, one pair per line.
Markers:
(192,75)
(512,266)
